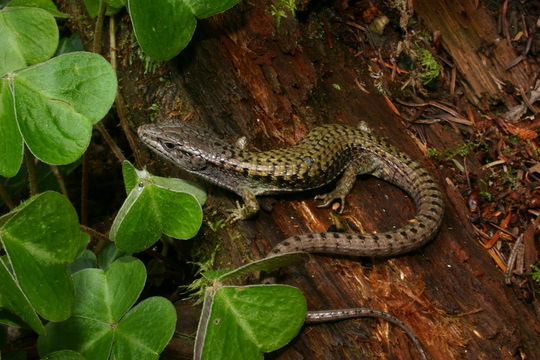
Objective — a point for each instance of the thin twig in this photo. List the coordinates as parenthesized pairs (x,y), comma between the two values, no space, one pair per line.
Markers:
(96,48)
(110,141)
(102,238)
(94,233)
(31,171)
(518,250)
(501,229)
(514,62)
(60,180)
(84,189)
(527,101)
(453,74)
(119,101)
(96,44)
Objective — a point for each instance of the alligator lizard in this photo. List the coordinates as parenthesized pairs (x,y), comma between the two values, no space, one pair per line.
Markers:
(321,156)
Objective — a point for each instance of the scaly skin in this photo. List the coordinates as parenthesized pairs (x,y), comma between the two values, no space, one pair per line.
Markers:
(314,317)
(325,153)
(321,156)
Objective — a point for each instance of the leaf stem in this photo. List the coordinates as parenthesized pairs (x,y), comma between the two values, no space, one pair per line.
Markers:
(96,44)
(84,189)
(96,48)
(60,180)
(31,171)
(110,141)
(119,102)
(94,233)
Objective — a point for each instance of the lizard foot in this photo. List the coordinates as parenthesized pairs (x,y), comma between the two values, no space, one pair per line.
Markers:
(236,214)
(241,212)
(330,197)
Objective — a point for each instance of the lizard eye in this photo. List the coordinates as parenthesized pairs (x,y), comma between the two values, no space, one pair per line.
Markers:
(168,145)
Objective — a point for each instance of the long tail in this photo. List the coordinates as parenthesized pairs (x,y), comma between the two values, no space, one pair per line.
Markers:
(419,184)
(314,317)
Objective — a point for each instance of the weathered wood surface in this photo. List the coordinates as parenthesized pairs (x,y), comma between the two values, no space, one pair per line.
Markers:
(243,77)
(482,56)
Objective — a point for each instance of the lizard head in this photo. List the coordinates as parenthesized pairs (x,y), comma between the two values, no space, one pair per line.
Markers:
(183,144)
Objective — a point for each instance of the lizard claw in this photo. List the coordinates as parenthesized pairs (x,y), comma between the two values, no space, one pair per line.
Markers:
(329,198)
(236,214)
(241,212)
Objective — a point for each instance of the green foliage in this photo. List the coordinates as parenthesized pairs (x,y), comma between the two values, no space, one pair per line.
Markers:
(108,255)
(235,321)
(281,9)
(484,190)
(52,105)
(29,36)
(462,149)
(87,259)
(513,139)
(433,153)
(535,273)
(40,237)
(197,288)
(155,206)
(57,102)
(430,67)
(267,264)
(217,225)
(113,6)
(243,322)
(165,38)
(450,154)
(510,178)
(47,5)
(64,355)
(103,326)
(486,195)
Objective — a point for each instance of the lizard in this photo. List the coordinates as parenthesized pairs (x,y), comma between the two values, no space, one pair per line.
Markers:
(316,160)
(320,157)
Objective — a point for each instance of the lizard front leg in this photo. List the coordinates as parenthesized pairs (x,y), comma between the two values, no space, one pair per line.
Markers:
(247,210)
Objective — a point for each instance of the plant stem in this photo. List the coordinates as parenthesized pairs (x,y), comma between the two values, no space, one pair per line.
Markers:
(110,141)
(84,189)
(102,238)
(94,233)
(119,101)
(96,44)
(96,48)
(31,171)
(60,180)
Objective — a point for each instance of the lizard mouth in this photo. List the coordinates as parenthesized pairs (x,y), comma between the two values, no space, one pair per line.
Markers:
(145,131)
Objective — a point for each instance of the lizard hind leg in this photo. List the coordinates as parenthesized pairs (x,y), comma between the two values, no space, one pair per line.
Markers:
(361,165)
